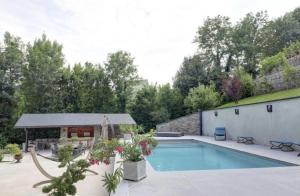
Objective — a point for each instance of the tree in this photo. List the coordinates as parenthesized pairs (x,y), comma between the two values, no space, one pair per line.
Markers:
(169,101)
(248,39)
(122,73)
(11,61)
(143,107)
(191,73)
(232,88)
(214,40)
(41,75)
(281,32)
(201,97)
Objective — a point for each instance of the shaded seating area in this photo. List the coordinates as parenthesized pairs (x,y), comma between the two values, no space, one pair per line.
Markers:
(245,140)
(220,134)
(282,145)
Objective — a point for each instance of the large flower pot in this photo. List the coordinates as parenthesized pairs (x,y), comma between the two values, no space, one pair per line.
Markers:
(127,136)
(134,171)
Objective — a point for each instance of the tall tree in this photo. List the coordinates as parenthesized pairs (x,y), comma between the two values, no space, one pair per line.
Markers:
(11,60)
(249,41)
(122,74)
(143,107)
(191,73)
(170,100)
(281,32)
(41,75)
(214,40)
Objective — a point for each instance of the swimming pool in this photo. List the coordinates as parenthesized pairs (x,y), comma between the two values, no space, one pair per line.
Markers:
(180,155)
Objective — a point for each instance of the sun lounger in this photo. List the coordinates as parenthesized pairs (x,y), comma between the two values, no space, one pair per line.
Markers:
(220,133)
(245,140)
(282,145)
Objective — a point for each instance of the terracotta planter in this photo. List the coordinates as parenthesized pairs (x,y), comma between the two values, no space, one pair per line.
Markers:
(18,157)
(134,171)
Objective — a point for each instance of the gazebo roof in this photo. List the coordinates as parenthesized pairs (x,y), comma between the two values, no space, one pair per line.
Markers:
(70,119)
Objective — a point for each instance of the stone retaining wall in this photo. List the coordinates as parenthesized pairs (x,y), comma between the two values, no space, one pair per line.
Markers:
(276,78)
(189,125)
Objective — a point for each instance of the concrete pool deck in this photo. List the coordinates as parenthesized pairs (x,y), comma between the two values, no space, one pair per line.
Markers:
(16,179)
(276,181)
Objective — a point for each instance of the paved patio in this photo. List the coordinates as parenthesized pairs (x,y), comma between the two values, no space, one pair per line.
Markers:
(16,179)
(257,181)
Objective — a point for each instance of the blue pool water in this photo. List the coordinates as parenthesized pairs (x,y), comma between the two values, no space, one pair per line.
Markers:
(180,155)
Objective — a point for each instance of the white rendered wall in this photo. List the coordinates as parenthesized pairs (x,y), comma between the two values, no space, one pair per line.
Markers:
(254,121)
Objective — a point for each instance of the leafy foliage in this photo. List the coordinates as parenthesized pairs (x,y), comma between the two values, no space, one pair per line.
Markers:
(274,62)
(41,75)
(13,149)
(247,83)
(232,88)
(248,41)
(214,39)
(191,73)
(104,149)
(292,50)
(290,76)
(111,181)
(140,146)
(122,74)
(64,185)
(202,97)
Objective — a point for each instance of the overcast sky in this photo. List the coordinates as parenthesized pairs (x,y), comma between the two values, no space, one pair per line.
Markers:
(158,33)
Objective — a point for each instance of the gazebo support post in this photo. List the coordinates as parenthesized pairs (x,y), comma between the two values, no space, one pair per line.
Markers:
(26,140)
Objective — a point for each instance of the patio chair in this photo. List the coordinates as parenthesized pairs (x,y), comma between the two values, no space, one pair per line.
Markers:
(220,134)
(245,140)
(282,145)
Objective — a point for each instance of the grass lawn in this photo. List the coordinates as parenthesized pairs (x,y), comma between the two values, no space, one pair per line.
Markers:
(266,97)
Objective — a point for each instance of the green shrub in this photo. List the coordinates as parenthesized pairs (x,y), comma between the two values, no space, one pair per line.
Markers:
(247,83)
(290,76)
(111,181)
(13,149)
(292,50)
(263,87)
(274,62)
(3,141)
(202,97)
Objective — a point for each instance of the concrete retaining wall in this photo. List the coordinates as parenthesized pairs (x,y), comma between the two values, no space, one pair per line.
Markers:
(254,120)
(189,125)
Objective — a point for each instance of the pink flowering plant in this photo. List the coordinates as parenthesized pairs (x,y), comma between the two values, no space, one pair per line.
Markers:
(140,146)
(103,150)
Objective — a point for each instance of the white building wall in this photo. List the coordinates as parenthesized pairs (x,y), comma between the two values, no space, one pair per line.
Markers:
(254,121)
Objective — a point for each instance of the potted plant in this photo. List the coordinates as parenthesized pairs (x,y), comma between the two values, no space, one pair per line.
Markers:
(111,181)
(129,130)
(15,151)
(105,151)
(134,163)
